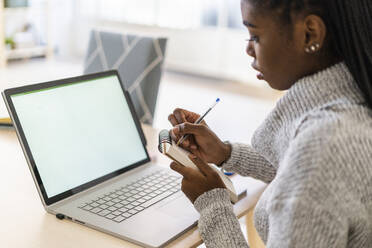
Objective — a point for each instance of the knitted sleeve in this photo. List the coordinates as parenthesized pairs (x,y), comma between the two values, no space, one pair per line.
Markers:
(218,225)
(306,208)
(245,161)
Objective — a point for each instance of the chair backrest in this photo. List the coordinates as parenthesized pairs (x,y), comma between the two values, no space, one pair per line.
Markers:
(139,63)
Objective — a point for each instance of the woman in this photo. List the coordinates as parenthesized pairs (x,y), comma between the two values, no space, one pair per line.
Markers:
(315,147)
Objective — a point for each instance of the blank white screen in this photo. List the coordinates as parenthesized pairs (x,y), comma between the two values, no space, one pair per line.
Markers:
(79,132)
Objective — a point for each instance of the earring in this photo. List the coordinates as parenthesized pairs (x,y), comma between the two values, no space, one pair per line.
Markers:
(312,48)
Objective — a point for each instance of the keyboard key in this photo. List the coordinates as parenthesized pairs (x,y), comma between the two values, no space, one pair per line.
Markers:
(94,204)
(101,201)
(138,208)
(104,206)
(156,199)
(123,209)
(82,205)
(132,211)
(110,203)
(125,202)
(116,213)
(129,206)
(110,216)
(95,210)
(88,207)
(136,203)
(119,219)
(118,205)
(104,212)
(130,199)
(112,208)
(126,215)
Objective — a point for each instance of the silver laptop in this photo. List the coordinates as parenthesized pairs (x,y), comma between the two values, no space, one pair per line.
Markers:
(87,154)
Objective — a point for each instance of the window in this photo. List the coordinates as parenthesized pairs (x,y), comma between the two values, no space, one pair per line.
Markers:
(182,14)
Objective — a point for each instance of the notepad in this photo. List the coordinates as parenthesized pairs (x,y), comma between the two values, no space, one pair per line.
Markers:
(168,147)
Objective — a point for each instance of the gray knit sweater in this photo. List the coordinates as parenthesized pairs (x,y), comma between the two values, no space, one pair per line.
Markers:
(315,151)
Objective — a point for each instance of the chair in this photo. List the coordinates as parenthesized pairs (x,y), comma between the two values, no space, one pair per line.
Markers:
(139,63)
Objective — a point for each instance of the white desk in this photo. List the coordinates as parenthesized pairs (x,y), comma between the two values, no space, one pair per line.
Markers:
(26,224)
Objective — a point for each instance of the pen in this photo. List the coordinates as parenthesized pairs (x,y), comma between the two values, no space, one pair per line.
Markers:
(198,121)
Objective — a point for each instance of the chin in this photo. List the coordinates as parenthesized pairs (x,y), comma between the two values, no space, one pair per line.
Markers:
(278,86)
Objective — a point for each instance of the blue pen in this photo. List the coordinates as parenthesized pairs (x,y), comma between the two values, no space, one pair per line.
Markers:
(198,121)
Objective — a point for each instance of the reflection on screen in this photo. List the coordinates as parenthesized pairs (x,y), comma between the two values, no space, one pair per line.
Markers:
(78,132)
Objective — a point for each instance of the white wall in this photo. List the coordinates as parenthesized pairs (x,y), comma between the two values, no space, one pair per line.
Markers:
(215,52)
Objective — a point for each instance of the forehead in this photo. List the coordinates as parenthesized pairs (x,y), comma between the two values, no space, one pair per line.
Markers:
(253,16)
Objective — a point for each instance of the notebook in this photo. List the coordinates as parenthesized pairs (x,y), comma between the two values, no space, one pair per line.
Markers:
(168,147)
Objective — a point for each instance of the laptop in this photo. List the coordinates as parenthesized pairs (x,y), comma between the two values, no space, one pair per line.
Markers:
(87,155)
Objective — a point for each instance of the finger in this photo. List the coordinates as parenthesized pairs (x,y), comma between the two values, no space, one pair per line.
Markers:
(172,119)
(180,115)
(176,132)
(174,137)
(203,166)
(190,116)
(184,171)
(190,128)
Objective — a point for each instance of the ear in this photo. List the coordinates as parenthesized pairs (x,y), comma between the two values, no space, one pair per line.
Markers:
(315,32)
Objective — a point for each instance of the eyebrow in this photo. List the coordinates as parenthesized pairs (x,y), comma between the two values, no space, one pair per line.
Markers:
(248,24)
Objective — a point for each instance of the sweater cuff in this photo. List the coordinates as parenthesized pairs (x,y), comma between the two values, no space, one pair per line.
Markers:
(212,197)
(235,156)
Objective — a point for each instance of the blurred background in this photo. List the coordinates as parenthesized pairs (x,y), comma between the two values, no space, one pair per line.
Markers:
(205,55)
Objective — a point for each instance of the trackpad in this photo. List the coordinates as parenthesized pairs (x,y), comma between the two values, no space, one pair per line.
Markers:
(179,207)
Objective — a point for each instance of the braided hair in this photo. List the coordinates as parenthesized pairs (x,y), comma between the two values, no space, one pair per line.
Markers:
(349,31)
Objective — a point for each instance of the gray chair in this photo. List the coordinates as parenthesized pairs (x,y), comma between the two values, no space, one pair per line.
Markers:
(139,63)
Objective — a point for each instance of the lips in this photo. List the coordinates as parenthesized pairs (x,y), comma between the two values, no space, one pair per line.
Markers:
(259,75)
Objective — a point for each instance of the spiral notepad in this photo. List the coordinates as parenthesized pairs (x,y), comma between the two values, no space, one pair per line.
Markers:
(168,147)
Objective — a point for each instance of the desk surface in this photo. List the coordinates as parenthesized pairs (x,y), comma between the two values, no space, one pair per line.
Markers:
(26,224)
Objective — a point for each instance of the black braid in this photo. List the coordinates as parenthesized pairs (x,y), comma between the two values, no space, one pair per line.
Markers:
(349,26)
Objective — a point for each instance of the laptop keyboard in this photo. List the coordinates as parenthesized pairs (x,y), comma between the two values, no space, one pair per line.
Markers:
(133,198)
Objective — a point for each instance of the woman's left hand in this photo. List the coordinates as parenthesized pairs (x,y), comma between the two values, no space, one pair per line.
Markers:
(197,182)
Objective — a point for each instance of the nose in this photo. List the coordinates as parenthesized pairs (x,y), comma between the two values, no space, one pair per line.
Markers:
(250,49)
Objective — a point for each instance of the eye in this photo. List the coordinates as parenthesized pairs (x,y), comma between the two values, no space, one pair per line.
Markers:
(253,38)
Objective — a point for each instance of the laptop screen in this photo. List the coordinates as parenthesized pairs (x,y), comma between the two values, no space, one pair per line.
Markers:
(79,132)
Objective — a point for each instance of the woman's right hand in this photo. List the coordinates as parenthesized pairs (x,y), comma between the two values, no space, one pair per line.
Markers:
(202,142)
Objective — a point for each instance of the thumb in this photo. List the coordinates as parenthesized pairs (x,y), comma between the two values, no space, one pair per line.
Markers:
(184,171)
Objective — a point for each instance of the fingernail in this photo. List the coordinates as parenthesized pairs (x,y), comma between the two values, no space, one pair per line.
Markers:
(181,127)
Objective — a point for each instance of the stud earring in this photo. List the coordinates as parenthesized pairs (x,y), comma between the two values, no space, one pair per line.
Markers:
(312,48)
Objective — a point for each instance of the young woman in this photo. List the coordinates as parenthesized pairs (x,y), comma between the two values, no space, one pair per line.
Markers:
(315,147)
